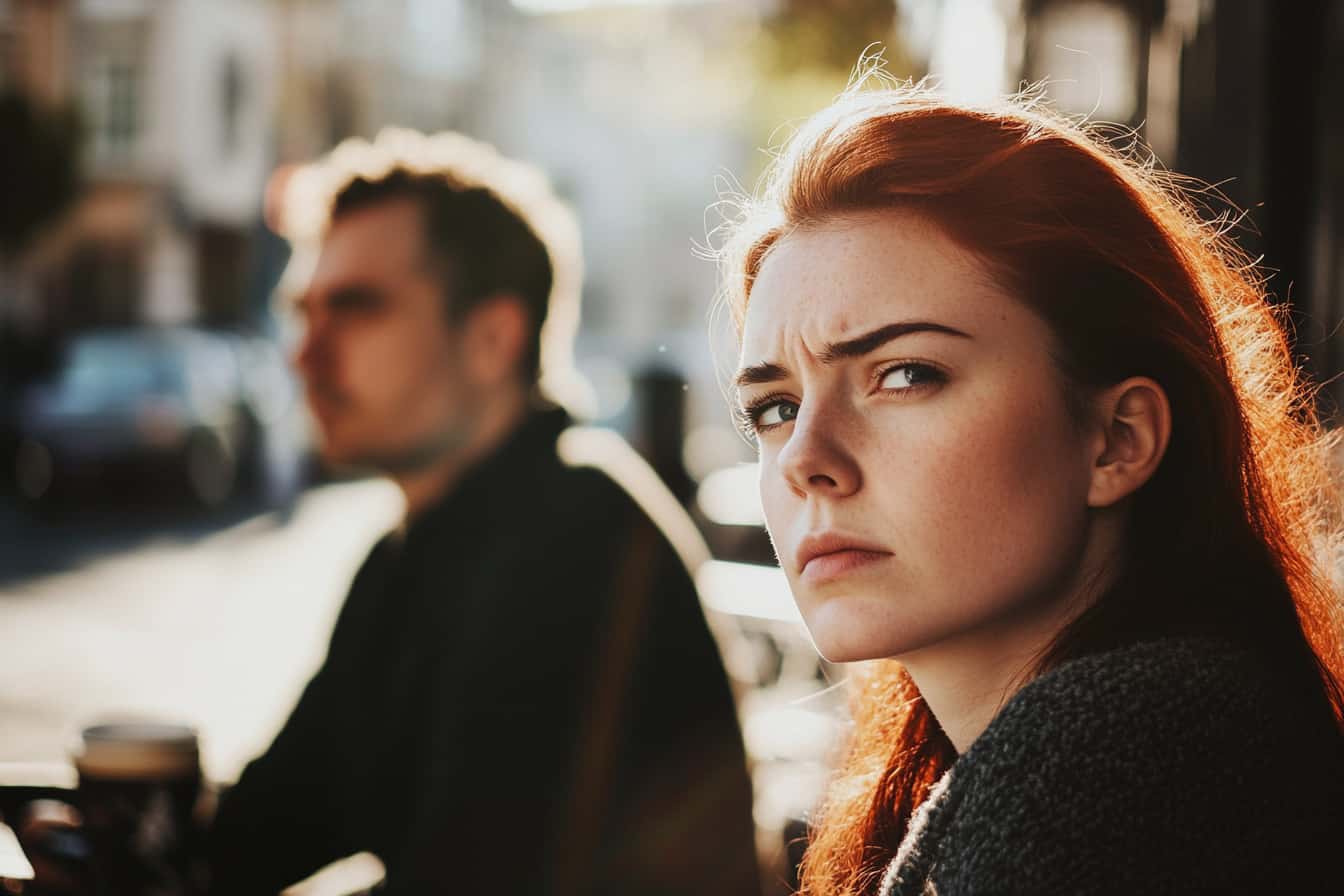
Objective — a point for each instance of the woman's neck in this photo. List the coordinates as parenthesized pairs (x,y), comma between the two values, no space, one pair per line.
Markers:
(966,684)
(965,680)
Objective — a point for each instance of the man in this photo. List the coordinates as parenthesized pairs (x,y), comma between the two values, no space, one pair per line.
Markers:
(521,694)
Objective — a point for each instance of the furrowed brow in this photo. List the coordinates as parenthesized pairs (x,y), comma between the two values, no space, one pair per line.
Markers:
(875,339)
(769,372)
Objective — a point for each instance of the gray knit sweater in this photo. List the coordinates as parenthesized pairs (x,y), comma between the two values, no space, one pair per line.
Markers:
(1172,766)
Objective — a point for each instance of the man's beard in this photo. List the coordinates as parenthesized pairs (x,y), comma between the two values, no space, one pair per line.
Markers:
(426,453)
(422,455)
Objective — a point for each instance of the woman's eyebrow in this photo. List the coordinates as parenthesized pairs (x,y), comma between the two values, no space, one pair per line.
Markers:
(768,372)
(873,339)
(758,374)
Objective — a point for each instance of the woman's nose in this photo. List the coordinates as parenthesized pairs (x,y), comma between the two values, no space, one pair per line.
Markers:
(814,460)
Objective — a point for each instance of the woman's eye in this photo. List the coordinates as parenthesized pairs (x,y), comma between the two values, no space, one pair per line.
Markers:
(776,413)
(907,376)
(765,414)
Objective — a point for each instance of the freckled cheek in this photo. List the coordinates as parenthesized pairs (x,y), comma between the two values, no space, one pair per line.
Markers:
(996,487)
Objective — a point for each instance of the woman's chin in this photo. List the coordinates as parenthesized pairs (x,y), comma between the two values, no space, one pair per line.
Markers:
(847,641)
(854,628)
(841,653)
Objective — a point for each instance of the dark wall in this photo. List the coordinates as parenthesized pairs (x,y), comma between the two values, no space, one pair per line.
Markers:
(1261,113)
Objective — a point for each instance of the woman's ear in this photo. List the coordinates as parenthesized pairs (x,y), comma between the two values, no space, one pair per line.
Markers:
(1135,420)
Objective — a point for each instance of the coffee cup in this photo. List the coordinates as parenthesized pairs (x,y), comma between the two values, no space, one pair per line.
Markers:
(138,786)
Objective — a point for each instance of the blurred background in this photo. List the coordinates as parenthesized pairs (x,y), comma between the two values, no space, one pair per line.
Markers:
(168,545)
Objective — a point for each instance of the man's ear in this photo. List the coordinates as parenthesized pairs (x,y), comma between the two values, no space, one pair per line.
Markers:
(495,337)
(1134,419)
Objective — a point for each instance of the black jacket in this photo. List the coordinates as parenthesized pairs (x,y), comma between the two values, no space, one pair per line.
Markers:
(441,731)
(1172,766)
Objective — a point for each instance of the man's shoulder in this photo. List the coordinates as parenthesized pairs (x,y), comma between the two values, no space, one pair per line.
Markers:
(603,480)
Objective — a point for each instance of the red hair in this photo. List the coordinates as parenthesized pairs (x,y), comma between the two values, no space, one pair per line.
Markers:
(1235,533)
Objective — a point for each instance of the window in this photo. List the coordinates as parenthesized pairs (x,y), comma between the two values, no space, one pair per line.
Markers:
(113,82)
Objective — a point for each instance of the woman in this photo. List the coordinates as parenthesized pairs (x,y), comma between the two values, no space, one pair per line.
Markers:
(1031,438)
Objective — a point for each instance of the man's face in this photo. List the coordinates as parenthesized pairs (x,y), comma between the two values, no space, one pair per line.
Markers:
(381,363)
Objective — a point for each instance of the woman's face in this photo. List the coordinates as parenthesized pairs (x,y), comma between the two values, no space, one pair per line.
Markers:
(922,477)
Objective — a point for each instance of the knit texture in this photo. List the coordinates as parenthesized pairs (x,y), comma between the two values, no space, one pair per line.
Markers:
(1172,766)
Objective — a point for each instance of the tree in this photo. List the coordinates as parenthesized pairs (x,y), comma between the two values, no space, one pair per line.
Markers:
(39,159)
(807,49)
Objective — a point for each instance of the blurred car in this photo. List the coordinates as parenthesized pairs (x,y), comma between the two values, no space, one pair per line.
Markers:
(278,459)
(169,403)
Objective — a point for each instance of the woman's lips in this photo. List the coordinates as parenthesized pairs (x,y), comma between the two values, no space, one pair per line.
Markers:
(835,564)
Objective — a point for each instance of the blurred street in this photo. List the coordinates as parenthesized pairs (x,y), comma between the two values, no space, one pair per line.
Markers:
(217,620)
(162,217)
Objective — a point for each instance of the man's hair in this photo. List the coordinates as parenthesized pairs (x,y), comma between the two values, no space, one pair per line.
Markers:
(491,224)
(477,244)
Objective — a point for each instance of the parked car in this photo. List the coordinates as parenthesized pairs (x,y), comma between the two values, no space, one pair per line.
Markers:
(165,403)
(279,460)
